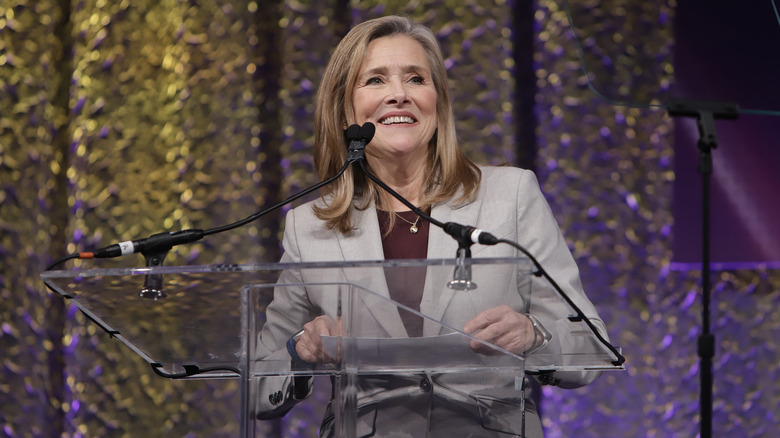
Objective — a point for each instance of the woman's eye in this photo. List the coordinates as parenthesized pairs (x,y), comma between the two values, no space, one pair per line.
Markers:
(418,80)
(373,81)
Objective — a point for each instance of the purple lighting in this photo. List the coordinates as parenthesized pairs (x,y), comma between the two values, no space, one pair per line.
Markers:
(631,201)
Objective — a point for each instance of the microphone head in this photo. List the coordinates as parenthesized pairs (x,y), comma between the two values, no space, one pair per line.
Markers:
(360,133)
(352,133)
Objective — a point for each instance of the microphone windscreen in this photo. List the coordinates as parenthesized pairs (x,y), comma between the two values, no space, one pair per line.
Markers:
(352,133)
(367,131)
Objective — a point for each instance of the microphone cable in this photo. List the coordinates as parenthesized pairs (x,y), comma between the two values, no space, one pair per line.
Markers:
(580,316)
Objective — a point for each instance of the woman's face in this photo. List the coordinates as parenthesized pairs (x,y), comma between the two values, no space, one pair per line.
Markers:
(395,92)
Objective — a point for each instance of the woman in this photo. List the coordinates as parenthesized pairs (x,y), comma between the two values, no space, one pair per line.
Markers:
(390,72)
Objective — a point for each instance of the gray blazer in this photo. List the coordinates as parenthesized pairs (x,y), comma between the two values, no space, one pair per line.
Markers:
(510,206)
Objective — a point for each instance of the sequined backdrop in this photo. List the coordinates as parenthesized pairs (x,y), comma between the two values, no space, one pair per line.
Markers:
(119,119)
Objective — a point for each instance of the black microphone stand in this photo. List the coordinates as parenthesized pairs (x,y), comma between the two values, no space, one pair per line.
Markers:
(155,247)
(705,113)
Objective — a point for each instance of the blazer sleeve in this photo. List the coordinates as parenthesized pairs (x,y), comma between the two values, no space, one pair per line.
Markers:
(289,310)
(538,232)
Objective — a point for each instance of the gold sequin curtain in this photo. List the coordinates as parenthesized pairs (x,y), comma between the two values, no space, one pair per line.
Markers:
(33,119)
(121,119)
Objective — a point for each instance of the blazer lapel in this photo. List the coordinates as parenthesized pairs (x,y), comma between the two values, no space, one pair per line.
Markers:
(436,295)
(365,243)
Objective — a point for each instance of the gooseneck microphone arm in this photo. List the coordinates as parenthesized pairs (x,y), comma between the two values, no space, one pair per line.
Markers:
(467,235)
(292,198)
(462,276)
(397,196)
(155,247)
(357,138)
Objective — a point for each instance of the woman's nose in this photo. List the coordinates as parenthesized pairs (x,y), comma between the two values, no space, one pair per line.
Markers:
(398,93)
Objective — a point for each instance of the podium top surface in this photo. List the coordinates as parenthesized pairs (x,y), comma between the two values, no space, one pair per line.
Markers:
(204,318)
(521,262)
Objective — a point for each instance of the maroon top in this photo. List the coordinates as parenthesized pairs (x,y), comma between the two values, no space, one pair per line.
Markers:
(401,243)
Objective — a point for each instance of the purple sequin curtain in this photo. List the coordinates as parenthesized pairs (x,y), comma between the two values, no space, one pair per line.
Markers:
(119,119)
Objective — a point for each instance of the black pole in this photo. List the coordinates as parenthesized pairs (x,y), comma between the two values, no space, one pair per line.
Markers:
(706,113)
(706,344)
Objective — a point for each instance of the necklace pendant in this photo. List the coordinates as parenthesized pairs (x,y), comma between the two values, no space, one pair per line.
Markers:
(413,229)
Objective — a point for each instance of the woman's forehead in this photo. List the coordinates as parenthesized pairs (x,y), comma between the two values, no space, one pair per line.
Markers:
(394,52)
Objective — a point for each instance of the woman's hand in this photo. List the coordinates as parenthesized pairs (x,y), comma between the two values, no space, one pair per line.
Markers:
(309,345)
(502,327)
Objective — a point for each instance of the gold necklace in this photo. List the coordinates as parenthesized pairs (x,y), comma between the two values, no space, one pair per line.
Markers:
(413,229)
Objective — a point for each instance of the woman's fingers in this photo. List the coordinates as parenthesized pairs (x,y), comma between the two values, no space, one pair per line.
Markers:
(309,345)
(502,327)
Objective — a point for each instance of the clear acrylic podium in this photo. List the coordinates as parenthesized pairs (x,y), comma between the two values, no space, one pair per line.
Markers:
(234,321)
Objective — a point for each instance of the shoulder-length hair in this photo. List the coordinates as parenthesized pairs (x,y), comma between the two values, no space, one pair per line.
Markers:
(450,176)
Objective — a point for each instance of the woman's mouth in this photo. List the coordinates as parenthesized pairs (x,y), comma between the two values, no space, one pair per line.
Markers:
(397,120)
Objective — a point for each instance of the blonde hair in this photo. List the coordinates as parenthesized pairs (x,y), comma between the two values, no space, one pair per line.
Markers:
(450,173)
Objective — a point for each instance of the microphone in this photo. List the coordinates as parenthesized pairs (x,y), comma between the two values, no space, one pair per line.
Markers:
(154,249)
(152,244)
(461,278)
(358,137)
(469,233)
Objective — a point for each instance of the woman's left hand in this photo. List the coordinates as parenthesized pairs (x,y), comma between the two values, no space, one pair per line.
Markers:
(502,327)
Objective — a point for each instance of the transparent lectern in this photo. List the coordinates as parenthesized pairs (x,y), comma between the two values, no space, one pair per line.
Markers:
(235,321)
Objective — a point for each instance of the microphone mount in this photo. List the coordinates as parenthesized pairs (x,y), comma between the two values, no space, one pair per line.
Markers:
(465,236)
(155,249)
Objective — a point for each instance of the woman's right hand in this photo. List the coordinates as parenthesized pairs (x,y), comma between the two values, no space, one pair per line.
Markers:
(309,345)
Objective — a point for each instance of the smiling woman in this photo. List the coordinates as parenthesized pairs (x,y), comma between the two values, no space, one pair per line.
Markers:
(375,62)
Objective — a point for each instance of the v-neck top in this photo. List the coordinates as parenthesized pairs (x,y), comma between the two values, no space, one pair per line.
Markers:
(401,243)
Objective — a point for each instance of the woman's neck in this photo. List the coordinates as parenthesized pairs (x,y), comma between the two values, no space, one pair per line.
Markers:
(407,179)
